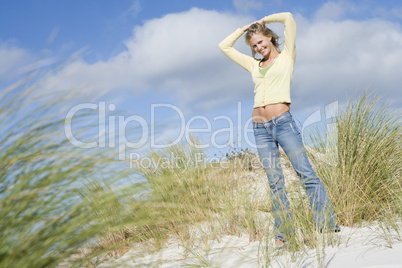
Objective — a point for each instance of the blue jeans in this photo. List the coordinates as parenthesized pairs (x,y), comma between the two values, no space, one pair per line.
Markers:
(283,131)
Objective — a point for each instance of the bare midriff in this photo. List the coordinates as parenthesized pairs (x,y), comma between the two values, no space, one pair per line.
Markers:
(269,112)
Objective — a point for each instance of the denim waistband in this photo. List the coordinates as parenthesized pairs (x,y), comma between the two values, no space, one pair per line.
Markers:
(275,121)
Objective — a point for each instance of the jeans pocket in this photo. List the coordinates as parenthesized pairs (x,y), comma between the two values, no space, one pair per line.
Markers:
(294,128)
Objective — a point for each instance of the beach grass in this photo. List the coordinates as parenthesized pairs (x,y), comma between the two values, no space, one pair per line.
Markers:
(364,176)
(43,220)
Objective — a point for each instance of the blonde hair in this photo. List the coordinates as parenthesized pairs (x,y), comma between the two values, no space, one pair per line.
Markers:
(257,28)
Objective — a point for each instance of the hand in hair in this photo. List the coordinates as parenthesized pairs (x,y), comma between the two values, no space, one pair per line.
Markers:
(245,28)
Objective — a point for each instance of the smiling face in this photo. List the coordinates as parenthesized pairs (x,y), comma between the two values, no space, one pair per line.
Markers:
(261,44)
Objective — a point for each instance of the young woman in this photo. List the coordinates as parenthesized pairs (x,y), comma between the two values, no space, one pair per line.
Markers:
(273,124)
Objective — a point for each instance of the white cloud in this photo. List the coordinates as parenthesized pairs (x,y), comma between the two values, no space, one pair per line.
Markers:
(16,61)
(335,10)
(338,58)
(177,41)
(177,55)
(12,58)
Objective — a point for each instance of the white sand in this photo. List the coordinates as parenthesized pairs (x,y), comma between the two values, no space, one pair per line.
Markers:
(354,247)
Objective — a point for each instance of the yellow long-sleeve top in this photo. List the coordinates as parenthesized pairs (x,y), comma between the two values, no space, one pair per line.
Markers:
(274,86)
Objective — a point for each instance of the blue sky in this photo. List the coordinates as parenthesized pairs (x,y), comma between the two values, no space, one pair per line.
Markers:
(145,53)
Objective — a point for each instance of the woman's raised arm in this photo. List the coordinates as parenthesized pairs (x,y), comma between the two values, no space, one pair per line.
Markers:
(239,58)
(290,30)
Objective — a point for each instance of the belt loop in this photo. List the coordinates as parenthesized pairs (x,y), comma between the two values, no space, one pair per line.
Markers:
(274,120)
